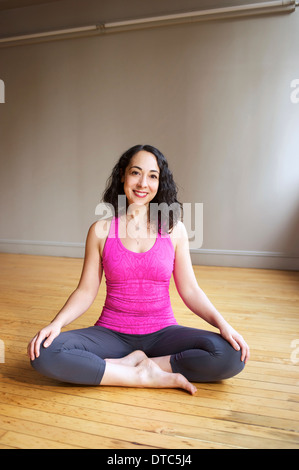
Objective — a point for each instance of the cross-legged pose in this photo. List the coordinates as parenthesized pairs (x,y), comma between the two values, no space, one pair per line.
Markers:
(137,342)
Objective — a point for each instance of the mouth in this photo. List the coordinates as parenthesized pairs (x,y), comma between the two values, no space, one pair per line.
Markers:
(140,193)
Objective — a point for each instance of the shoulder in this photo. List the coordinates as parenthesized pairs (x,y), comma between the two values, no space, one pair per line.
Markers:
(101,228)
(179,235)
(179,231)
(98,233)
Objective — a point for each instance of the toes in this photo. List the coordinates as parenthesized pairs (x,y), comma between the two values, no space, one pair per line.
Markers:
(185,384)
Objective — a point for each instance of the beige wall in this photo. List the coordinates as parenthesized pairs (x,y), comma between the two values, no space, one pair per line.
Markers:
(213,96)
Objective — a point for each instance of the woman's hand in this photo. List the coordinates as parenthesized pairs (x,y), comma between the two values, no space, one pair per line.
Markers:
(50,332)
(236,340)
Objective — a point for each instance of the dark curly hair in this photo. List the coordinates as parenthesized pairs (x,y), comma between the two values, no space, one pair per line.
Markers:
(169,208)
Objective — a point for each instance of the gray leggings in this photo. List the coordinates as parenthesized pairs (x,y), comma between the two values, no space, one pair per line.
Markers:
(78,356)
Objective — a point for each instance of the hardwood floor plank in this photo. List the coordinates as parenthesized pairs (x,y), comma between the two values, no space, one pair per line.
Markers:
(159,421)
(21,440)
(259,408)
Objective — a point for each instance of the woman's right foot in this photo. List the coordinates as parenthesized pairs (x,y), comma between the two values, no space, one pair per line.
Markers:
(152,376)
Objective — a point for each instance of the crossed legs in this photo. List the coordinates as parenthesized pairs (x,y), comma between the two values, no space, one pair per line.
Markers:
(170,358)
(137,370)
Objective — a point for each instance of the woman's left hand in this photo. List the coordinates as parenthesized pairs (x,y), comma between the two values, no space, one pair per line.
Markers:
(236,340)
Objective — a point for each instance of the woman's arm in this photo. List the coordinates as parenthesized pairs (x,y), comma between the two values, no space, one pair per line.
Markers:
(86,291)
(193,296)
(80,300)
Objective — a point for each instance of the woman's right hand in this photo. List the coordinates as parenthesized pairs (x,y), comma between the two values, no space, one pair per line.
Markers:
(50,332)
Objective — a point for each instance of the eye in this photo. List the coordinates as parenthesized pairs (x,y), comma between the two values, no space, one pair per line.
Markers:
(154,177)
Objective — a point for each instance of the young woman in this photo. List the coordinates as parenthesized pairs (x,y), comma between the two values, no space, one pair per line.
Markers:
(136,341)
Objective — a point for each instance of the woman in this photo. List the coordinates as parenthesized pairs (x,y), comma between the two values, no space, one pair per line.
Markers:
(137,342)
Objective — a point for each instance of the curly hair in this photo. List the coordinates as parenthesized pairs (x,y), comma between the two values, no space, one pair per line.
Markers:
(169,208)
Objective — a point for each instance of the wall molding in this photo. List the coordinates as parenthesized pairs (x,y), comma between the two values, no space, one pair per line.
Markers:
(275,254)
(43,247)
(239,11)
(40,243)
(245,259)
(199,256)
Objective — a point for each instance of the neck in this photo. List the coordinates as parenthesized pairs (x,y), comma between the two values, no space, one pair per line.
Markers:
(136,223)
(138,214)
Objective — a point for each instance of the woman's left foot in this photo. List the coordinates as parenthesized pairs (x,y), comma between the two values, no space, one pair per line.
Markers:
(132,359)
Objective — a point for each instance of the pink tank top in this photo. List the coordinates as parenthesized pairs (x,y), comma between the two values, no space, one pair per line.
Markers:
(137,299)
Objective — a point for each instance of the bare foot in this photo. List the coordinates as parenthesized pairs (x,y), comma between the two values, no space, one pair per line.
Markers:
(152,376)
(132,359)
(163,362)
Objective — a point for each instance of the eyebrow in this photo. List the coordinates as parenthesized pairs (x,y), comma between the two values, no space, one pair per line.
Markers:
(139,168)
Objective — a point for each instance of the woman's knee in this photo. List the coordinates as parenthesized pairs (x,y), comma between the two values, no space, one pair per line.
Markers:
(45,362)
(232,364)
(223,363)
(227,360)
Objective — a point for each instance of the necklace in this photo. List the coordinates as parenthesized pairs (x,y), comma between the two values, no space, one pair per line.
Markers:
(138,229)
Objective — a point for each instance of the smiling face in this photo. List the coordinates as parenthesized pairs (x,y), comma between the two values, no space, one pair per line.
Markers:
(141,178)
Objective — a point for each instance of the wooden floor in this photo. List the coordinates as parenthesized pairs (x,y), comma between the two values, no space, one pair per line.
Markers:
(257,409)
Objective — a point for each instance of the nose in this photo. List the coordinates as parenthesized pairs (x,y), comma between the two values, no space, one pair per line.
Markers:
(142,183)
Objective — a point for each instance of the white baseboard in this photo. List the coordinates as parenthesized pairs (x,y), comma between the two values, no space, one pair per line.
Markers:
(46,248)
(201,256)
(245,259)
